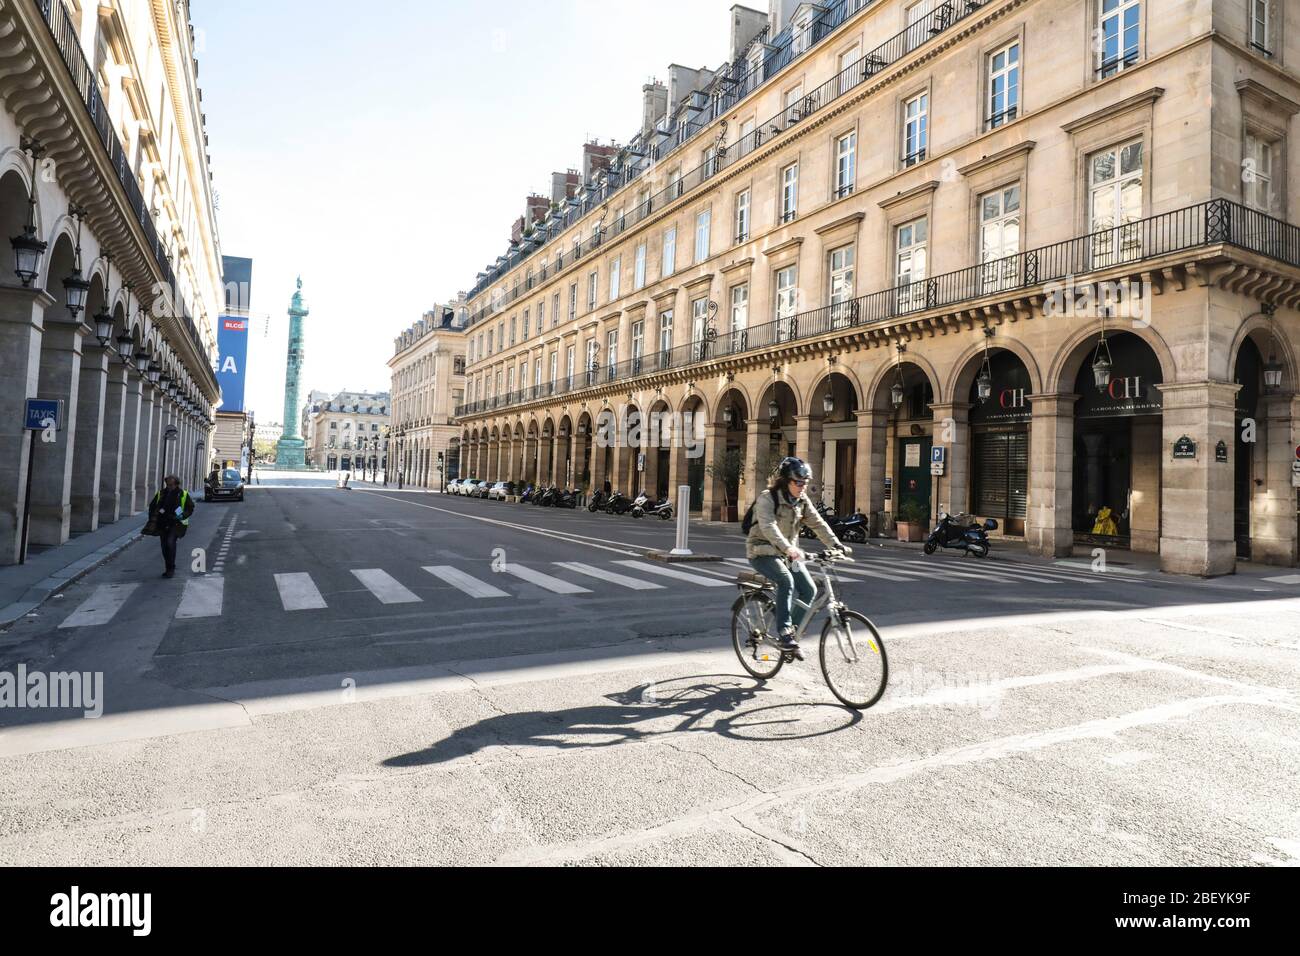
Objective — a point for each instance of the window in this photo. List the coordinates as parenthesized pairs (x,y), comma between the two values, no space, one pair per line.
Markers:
(1115,203)
(510,379)
(555,361)
(537,374)
(675,183)
(702,235)
(1000,238)
(848,77)
(742,216)
(1261,23)
(910,263)
(700,326)
(489,346)
(527,322)
(923,21)
(739,316)
(513,320)
(745,143)
(916,128)
(568,383)
(1257,174)
(573,300)
(611,352)
(665,335)
(792,96)
(670,251)
(841,289)
(555,310)
(592,280)
(593,353)
(803,33)
(458,365)
(789,192)
(785,302)
(1117,35)
(638,271)
(1004,85)
(614,269)
(846,148)
(638,344)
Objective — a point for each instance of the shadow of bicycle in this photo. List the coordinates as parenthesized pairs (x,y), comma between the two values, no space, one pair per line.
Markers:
(704,703)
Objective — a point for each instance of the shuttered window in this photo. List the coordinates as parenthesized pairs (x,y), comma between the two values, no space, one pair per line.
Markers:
(1001,474)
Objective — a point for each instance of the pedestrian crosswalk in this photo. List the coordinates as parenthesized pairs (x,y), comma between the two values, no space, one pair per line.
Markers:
(205,596)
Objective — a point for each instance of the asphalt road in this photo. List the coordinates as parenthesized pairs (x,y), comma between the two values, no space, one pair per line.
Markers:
(381,676)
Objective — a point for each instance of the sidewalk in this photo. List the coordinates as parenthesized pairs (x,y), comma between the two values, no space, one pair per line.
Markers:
(24,587)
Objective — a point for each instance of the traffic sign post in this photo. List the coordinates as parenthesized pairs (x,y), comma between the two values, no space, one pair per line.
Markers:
(38,415)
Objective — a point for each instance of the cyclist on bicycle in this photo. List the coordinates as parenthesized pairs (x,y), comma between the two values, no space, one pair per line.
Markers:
(772,550)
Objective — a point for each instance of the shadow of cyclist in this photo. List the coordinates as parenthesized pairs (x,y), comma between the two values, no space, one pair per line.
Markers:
(712,704)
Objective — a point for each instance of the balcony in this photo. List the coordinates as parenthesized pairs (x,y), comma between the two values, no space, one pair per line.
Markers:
(1217,222)
(741,80)
(64,35)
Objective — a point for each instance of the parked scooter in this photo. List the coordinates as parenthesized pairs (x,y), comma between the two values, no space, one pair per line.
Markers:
(639,504)
(527,495)
(663,509)
(597,501)
(852,529)
(566,498)
(618,504)
(961,535)
(547,498)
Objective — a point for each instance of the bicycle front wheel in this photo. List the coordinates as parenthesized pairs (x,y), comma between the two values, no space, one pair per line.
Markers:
(753,617)
(853,660)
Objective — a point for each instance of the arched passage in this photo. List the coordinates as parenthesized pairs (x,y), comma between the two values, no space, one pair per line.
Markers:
(901,425)
(831,445)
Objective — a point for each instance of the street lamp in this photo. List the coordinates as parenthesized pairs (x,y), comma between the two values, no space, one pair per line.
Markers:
(76,288)
(984,382)
(828,402)
(28,250)
(896,391)
(125,345)
(154,372)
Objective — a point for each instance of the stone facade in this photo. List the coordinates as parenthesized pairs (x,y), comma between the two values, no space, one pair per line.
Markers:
(851,242)
(428,369)
(103,99)
(346,431)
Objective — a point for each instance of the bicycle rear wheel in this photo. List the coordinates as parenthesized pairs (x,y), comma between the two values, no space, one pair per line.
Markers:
(753,617)
(853,660)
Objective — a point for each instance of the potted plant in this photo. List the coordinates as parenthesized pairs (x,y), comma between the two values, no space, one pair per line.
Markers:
(727,468)
(911,521)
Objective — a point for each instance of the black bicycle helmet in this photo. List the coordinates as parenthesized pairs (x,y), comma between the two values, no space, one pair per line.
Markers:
(795,468)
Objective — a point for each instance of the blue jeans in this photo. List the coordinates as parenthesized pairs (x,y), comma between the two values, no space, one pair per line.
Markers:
(788,579)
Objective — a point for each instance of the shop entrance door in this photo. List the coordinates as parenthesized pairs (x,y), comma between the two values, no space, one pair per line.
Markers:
(913,473)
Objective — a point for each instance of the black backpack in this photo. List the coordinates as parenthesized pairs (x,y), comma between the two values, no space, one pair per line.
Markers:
(747,522)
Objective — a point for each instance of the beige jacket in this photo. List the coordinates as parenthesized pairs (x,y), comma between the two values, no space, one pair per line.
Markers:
(776,527)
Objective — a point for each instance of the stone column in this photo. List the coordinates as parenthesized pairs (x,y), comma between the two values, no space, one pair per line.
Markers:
(88,452)
(22,313)
(754,479)
(130,502)
(60,378)
(144,452)
(1049,530)
(810,447)
(111,470)
(1196,495)
(1273,510)
(869,481)
(952,430)
(715,440)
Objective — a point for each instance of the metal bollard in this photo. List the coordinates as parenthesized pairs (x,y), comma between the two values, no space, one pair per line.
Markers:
(683,520)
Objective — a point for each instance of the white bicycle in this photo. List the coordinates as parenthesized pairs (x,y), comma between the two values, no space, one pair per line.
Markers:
(852,654)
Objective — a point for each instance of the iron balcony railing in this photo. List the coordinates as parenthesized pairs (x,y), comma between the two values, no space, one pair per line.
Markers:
(734,83)
(1216,222)
(65,38)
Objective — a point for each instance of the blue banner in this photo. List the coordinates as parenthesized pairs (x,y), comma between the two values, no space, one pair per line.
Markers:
(232,357)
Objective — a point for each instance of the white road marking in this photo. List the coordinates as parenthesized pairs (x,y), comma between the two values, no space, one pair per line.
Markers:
(202,597)
(543,580)
(101,606)
(384,586)
(667,572)
(298,592)
(1284,579)
(636,584)
(465,582)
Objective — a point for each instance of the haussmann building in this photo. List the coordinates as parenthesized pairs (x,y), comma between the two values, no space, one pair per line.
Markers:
(1046,240)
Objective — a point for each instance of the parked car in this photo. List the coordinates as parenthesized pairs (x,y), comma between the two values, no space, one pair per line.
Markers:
(501,490)
(453,486)
(468,487)
(483,490)
(224,485)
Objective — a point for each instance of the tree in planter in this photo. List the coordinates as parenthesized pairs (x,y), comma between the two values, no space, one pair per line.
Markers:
(911,512)
(727,467)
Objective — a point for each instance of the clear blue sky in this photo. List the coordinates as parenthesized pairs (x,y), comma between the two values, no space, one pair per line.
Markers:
(382,150)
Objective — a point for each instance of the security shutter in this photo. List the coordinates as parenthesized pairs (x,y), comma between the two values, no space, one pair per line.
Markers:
(1001,474)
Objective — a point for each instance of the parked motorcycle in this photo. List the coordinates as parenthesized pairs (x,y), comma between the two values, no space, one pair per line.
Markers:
(597,501)
(961,533)
(527,495)
(852,529)
(547,498)
(618,504)
(639,504)
(566,498)
(664,510)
